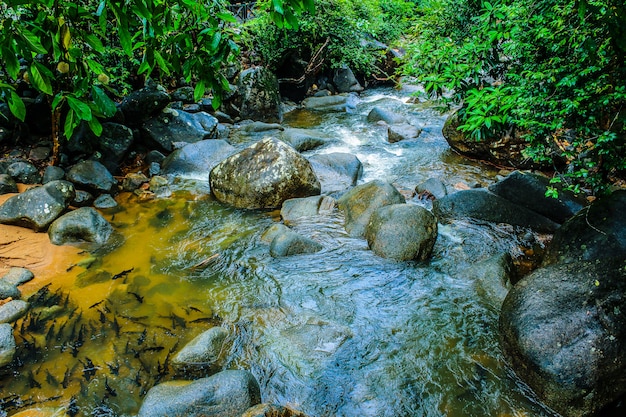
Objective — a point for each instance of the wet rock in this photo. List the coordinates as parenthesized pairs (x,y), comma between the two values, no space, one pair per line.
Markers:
(272,410)
(154,156)
(92,175)
(396,133)
(378,114)
(597,232)
(225,394)
(260,97)
(160,186)
(24,172)
(140,105)
(13,310)
(184,94)
(249,126)
(336,171)
(402,232)
(9,290)
(288,243)
(173,126)
(7,184)
(53,173)
(196,160)
(337,103)
(529,190)
(296,208)
(104,201)
(7,344)
(433,186)
(37,207)
(492,276)
(81,225)
(345,81)
(483,205)
(203,352)
(133,181)
(18,276)
(263,175)
(113,144)
(273,231)
(83,199)
(563,331)
(362,201)
(304,139)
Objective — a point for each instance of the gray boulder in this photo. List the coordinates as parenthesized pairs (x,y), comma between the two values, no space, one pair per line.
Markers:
(378,114)
(13,310)
(337,103)
(260,97)
(563,331)
(492,277)
(483,205)
(24,172)
(304,139)
(184,94)
(7,344)
(225,394)
(296,208)
(9,290)
(345,81)
(263,176)
(432,186)
(82,199)
(595,233)
(288,243)
(140,105)
(173,126)
(529,190)
(336,171)
(196,160)
(18,276)
(37,207)
(396,133)
(402,232)
(362,201)
(104,201)
(113,144)
(203,352)
(7,184)
(92,175)
(52,173)
(81,225)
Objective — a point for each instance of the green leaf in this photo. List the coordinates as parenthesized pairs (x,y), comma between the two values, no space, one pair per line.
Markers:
(161,62)
(93,41)
(199,90)
(12,64)
(70,124)
(309,5)
(226,17)
(39,80)
(144,67)
(56,101)
(278,6)
(16,105)
(216,102)
(292,20)
(215,41)
(95,126)
(103,102)
(82,109)
(33,41)
(94,66)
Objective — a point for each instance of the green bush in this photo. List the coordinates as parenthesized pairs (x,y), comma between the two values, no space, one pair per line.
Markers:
(554,70)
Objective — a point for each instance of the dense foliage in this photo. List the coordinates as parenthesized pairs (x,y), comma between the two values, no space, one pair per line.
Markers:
(553,70)
(347,25)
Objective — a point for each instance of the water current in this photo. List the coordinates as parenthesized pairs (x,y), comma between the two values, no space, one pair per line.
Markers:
(341,332)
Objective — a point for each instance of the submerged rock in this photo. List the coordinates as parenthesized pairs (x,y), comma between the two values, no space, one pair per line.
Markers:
(38,207)
(402,232)
(289,243)
(263,176)
(362,201)
(563,330)
(7,344)
(81,225)
(225,394)
(13,310)
(203,352)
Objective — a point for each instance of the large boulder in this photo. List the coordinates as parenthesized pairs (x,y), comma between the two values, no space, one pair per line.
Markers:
(336,171)
(7,344)
(263,176)
(482,205)
(93,176)
(81,225)
(563,331)
(596,232)
(529,190)
(113,144)
(260,97)
(402,232)
(38,207)
(196,160)
(171,126)
(225,394)
(24,172)
(304,139)
(345,81)
(140,105)
(362,201)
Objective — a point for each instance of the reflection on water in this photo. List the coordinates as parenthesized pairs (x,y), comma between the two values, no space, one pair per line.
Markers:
(340,332)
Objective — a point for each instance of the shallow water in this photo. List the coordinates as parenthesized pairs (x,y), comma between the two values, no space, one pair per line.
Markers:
(341,332)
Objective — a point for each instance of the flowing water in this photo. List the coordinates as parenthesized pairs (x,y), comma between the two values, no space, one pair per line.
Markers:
(341,332)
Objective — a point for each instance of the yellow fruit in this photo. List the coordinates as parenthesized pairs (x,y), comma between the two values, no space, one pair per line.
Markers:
(26,77)
(63,67)
(103,78)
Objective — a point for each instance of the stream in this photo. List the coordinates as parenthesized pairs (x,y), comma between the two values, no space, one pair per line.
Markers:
(341,332)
